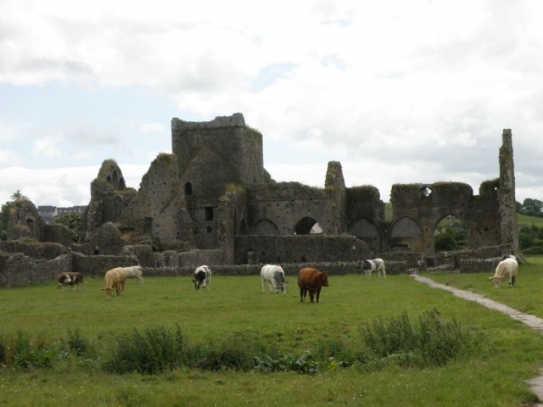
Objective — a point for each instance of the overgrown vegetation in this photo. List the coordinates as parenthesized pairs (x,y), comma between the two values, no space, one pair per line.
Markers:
(73,221)
(5,212)
(433,342)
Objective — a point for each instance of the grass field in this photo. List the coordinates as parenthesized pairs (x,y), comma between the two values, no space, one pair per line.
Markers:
(235,308)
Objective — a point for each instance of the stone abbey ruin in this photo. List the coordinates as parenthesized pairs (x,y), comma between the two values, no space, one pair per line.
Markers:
(211,201)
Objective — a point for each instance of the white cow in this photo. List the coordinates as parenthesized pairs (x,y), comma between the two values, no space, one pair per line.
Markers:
(374,265)
(275,277)
(507,268)
(202,277)
(134,272)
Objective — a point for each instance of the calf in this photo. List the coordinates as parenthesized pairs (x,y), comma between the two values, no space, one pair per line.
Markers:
(311,280)
(134,272)
(202,277)
(115,278)
(275,277)
(370,266)
(507,268)
(66,278)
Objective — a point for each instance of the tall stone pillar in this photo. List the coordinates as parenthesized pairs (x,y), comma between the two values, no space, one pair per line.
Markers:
(506,193)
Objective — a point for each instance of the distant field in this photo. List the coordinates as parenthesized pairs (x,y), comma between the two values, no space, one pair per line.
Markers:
(524,220)
(235,307)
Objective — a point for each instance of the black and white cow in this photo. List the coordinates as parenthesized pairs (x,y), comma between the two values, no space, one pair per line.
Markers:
(202,277)
(66,278)
(377,265)
(275,277)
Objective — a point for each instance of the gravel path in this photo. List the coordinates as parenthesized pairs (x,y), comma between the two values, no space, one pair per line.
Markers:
(533,322)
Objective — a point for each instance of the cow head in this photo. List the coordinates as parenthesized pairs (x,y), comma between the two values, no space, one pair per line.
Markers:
(196,284)
(323,278)
(496,280)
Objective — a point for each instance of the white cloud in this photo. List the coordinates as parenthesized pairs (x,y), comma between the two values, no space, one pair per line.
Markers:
(46,146)
(91,134)
(417,91)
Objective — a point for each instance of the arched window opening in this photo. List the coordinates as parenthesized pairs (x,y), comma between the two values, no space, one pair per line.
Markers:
(305,226)
(450,234)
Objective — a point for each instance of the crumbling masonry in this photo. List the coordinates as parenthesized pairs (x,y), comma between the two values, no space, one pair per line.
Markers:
(212,201)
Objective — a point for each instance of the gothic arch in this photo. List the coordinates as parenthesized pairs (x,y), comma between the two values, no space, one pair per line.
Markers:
(450,233)
(367,231)
(266,227)
(406,234)
(306,226)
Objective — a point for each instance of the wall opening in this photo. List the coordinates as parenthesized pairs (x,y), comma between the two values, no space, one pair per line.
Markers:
(304,226)
(209,213)
(450,234)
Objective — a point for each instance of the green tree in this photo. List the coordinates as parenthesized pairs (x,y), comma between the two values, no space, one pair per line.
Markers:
(73,222)
(4,213)
(532,207)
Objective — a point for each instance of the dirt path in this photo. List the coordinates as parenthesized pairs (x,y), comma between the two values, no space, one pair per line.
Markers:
(536,384)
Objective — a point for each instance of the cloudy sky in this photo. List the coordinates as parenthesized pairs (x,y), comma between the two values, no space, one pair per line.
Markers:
(397,91)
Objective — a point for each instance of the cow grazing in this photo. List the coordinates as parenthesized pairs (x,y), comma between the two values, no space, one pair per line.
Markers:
(66,278)
(377,265)
(275,277)
(115,278)
(507,268)
(311,280)
(202,277)
(134,272)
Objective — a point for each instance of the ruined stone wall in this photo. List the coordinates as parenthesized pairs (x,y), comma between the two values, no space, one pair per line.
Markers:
(36,250)
(289,207)
(109,197)
(300,249)
(365,214)
(158,211)
(24,221)
(55,232)
(18,270)
(418,208)
(96,266)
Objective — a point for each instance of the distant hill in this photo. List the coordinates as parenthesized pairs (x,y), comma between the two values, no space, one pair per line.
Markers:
(524,220)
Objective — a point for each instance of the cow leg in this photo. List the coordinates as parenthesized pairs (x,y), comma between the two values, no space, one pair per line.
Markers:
(311,295)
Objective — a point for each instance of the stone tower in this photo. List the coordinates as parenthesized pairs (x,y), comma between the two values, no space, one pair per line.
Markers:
(213,157)
(506,193)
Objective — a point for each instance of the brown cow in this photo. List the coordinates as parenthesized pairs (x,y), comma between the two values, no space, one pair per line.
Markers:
(311,280)
(72,278)
(115,278)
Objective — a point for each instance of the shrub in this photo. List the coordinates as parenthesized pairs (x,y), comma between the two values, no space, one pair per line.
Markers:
(304,364)
(433,343)
(24,352)
(154,351)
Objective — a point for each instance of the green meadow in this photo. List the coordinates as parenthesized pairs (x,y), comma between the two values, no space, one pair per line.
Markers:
(233,316)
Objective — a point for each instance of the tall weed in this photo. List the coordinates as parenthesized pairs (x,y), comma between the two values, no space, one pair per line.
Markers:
(432,343)
(154,350)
